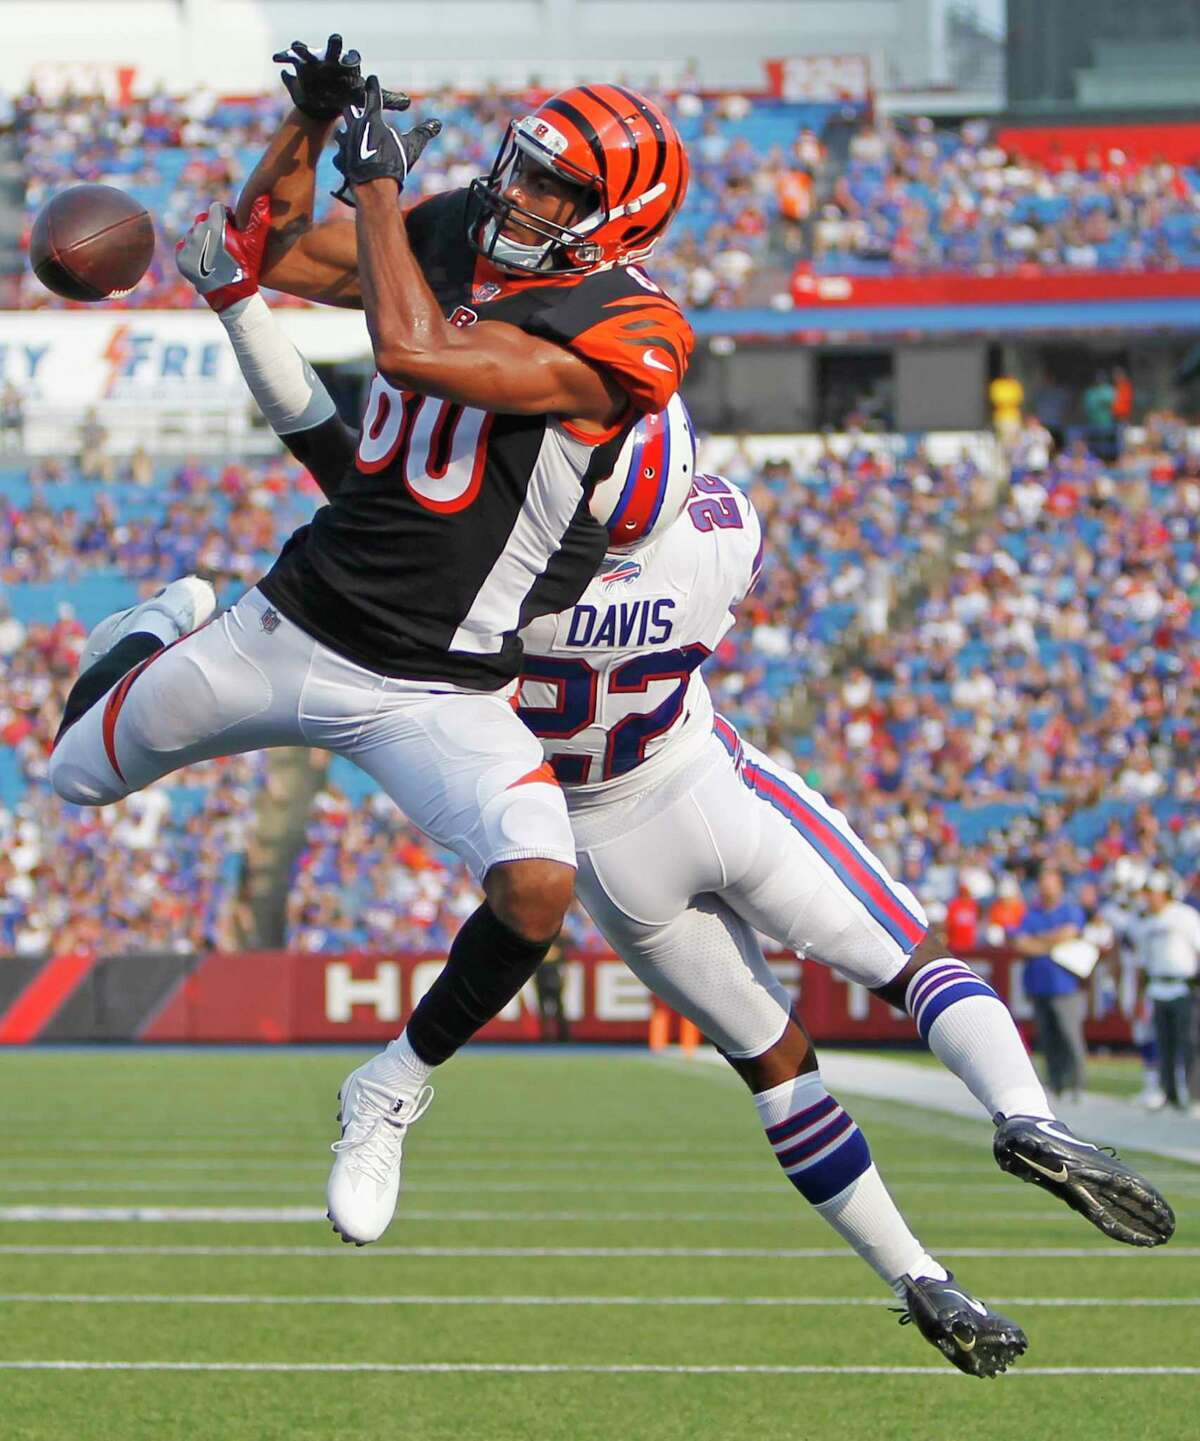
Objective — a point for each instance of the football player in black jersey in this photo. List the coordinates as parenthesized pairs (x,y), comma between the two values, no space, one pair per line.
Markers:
(516,342)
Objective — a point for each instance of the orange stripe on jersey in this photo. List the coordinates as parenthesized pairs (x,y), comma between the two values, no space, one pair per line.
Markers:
(624,173)
(542,775)
(645,348)
(590,437)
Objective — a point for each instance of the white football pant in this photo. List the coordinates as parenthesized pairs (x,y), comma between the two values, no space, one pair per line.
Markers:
(459,764)
(680,876)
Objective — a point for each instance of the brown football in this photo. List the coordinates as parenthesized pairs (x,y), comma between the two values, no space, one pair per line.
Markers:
(92,242)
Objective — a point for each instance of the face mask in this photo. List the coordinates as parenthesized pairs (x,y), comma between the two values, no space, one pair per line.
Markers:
(513,252)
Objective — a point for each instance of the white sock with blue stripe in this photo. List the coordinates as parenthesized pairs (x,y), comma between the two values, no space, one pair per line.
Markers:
(827,1159)
(970,1030)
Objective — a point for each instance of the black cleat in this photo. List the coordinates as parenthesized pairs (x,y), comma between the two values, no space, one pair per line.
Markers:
(971,1337)
(1113,1197)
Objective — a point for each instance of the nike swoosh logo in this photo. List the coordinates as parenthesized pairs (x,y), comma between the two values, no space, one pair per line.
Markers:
(970,1300)
(650,359)
(965,1345)
(1047,1128)
(1045,1170)
(363,152)
(202,264)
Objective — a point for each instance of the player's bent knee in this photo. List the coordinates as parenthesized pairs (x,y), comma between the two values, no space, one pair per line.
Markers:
(531,896)
(932,948)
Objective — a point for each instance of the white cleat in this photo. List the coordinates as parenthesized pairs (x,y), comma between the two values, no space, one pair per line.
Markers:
(187,603)
(365,1181)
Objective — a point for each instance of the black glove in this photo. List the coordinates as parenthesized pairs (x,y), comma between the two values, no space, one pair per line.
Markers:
(369,149)
(321,88)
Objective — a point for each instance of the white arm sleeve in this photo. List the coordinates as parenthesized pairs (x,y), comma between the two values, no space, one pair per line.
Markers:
(287,389)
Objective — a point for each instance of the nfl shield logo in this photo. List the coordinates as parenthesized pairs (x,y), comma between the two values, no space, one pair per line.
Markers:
(269,620)
(487,291)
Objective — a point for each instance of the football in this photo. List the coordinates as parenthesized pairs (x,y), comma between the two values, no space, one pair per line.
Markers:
(92,242)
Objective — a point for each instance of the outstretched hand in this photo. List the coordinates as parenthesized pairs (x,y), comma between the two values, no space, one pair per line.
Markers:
(221,261)
(323,85)
(369,149)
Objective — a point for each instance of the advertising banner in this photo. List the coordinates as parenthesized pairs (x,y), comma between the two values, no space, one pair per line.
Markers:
(78,358)
(820,77)
(276,997)
(1031,287)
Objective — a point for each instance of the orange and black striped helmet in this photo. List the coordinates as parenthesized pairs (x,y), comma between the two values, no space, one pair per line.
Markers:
(623,153)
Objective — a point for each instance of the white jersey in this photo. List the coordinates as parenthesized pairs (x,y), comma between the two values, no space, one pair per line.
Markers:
(613,683)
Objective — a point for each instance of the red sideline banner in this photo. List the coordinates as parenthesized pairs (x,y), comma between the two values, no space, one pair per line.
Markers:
(279,996)
(1019,287)
(275,997)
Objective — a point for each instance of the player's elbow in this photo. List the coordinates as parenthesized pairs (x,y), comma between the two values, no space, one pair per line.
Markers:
(401,364)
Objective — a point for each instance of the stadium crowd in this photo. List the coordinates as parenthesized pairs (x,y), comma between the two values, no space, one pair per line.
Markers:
(1040,702)
(914,197)
(753,174)
(768,187)
(1047,692)
(92,518)
(167,860)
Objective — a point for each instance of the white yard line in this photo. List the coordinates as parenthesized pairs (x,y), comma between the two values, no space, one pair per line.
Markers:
(526,1368)
(714,1253)
(792,1216)
(878,1303)
(613,1184)
(228,1215)
(267,1143)
(770,1185)
(117,1158)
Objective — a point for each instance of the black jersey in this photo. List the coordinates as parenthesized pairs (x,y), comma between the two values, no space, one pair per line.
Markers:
(455,527)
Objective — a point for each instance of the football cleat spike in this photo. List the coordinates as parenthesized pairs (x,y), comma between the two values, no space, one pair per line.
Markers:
(970,1336)
(1090,1179)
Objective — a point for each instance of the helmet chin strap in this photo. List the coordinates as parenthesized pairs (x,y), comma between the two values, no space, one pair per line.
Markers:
(503,251)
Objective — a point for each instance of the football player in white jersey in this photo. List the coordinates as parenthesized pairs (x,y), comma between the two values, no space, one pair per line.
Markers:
(690,840)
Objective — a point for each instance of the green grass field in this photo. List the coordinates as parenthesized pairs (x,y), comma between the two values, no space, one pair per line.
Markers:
(575,1211)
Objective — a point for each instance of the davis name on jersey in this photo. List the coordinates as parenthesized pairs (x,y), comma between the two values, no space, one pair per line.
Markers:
(610,683)
(648,620)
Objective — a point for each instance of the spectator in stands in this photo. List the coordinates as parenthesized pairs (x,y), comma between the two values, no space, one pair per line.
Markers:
(12,632)
(1006,395)
(548,981)
(962,922)
(1122,407)
(1059,1000)
(93,460)
(1167,947)
(1006,912)
(1099,400)
(12,419)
